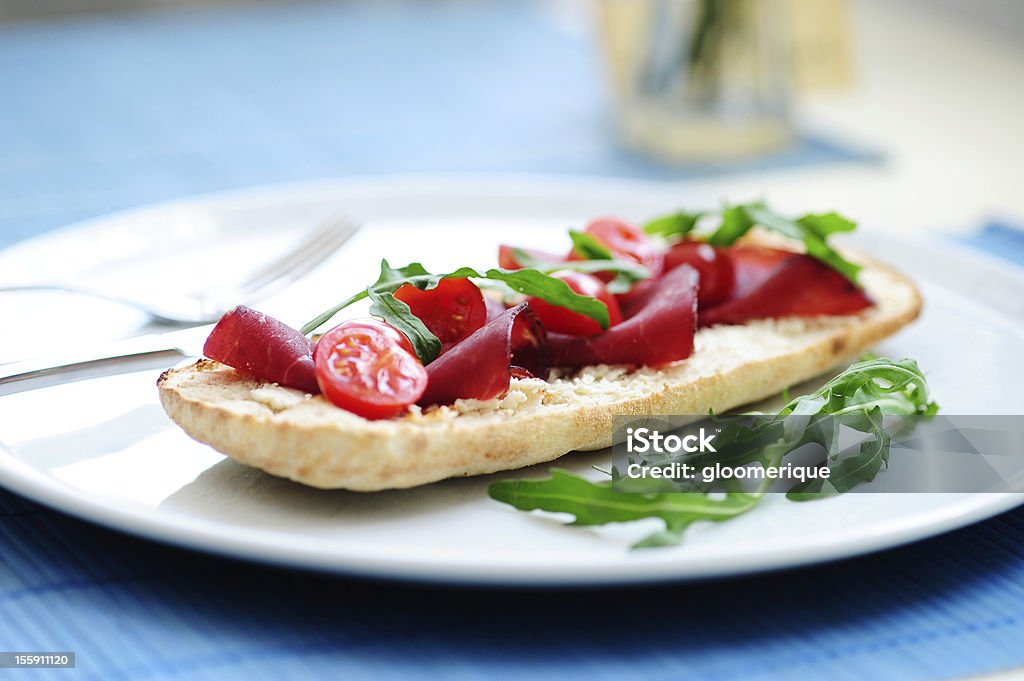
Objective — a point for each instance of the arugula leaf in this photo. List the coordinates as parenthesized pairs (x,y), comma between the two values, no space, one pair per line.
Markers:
(626,268)
(626,272)
(589,246)
(812,230)
(824,224)
(897,387)
(596,503)
(396,313)
(390,280)
(390,275)
(530,282)
(677,224)
(736,222)
(555,291)
(857,398)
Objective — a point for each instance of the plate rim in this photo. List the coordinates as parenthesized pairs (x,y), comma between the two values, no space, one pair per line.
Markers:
(202,535)
(454,181)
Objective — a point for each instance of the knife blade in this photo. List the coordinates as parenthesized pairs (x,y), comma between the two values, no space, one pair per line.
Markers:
(117,357)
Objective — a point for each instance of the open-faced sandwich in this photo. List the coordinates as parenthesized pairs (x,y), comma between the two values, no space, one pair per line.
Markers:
(476,371)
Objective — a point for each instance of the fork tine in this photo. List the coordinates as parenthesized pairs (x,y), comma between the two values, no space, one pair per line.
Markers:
(301,260)
(326,247)
(313,250)
(310,243)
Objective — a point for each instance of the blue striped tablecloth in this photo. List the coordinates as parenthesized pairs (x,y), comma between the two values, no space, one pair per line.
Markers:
(103,113)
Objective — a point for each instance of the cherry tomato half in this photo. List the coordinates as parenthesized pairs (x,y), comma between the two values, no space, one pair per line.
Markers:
(626,242)
(367,367)
(714,266)
(452,310)
(561,320)
(372,325)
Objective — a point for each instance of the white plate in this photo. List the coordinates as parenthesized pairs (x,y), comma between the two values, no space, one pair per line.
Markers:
(104,451)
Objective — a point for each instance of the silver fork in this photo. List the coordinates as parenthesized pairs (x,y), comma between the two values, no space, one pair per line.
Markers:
(206,307)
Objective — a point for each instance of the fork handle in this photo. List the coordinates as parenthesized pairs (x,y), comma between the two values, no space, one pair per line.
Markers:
(131,354)
(200,316)
(81,290)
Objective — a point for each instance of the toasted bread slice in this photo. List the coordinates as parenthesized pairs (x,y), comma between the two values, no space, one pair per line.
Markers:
(290,434)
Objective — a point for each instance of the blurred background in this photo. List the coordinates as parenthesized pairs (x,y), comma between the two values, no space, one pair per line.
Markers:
(905,113)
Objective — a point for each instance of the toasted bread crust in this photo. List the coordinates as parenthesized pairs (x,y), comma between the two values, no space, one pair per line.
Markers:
(304,438)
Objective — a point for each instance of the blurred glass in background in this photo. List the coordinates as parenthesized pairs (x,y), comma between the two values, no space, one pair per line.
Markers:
(700,79)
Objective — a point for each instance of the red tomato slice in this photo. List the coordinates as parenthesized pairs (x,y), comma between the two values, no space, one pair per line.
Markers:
(561,320)
(452,310)
(367,367)
(714,266)
(626,242)
(371,325)
(508,260)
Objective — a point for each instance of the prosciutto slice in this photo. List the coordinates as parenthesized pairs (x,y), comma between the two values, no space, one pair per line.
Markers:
(752,265)
(480,366)
(264,347)
(659,332)
(787,285)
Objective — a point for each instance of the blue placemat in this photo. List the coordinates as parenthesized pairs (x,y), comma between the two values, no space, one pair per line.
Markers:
(1001,239)
(135,610)
(101,114)
(105,113)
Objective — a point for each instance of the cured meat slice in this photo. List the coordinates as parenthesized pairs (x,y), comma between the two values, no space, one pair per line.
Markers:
(479,366)
(798,285)
(264,347)
(752,265)
(659,332)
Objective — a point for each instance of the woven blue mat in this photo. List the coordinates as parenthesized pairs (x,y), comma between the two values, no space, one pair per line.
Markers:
(102,114)
(135,610)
